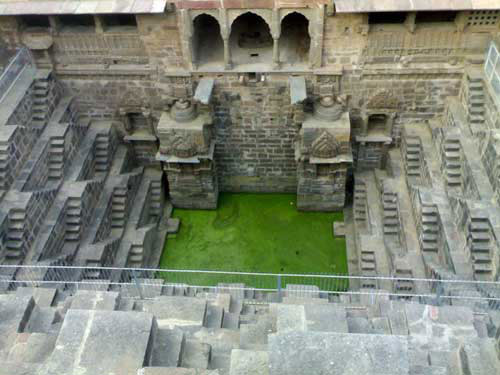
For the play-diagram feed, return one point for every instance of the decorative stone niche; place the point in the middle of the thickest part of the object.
(140, 133)
(187, 150)
(323, 154)
(378, 118)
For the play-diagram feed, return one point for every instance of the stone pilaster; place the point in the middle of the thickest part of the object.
(187, 150)
(323, 154)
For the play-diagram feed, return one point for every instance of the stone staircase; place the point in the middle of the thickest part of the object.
(479, 243)
(15, 234)
(475, 99)
(391, 214)
(119, 207)
(412, 155)
(73, 219)
(41, 92)
(368, 262)
(429, 235)
(452, 162)
(4, 165)
(360, 203)
(56, 158)
(156, 198)
(177, 335)
(103, 152)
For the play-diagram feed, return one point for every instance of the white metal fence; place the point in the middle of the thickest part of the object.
(22, 60)
(144, 283)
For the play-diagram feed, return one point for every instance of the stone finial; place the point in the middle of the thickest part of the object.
(329, 108)
(183, 110)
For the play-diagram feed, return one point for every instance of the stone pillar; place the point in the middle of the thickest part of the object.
(225, 32)
(227, 54)
(316, 34)
(99, 27)
(323, 154)
(276, 32)
(186, 26)
(187, 150)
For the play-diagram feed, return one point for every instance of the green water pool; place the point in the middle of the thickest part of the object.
(256, 233)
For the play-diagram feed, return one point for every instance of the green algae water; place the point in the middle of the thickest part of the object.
(256, 233)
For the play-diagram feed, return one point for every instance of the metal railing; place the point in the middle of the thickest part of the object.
(492, 69)
(21, 61)
(145, 283)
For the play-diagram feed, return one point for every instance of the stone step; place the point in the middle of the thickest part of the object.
(480, 247)
(479, 236)
(214, 316)
(254, 335)
(29, 348)
(367, 266)
(429, 247)
(481, 258)
(246, 362)
(168, 347)
(41, 319)
(482, 267)
(44, 297)
(479, 226)
(195, 354)
(231, 321)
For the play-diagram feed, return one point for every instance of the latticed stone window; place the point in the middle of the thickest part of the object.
(483, 18)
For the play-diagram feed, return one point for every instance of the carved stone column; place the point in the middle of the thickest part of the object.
(187, 150)
(276, 32)
(225, 32)
(276, 53)
(323, 153)
(227, 54)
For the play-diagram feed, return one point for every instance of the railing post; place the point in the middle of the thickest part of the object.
(439, 292)
(278, 287)
(137, 284)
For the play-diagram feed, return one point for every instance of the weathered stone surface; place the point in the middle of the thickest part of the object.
(179, 311)
(92, 300)
(249, 362)
(326, 318)
(335, 353)
(15, 312)
(87, 334)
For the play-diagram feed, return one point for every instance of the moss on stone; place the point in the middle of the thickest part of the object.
(256, 233)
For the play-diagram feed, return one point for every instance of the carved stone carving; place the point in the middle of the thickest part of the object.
(325, 146)
(383, 100)
(181, 145)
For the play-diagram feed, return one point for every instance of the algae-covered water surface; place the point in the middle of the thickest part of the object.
(256, 233)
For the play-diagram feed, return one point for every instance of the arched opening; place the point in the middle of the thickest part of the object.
(250, 40)
(377, 123)
(295, 40)
(208, 45)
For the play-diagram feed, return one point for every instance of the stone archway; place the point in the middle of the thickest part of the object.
(208, 46)
(250, 40)
(295, 41)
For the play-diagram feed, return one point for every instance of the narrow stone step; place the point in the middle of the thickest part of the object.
(195, 355)
(231, 321)
(168, 347)
(41, 319)
(214, 316)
